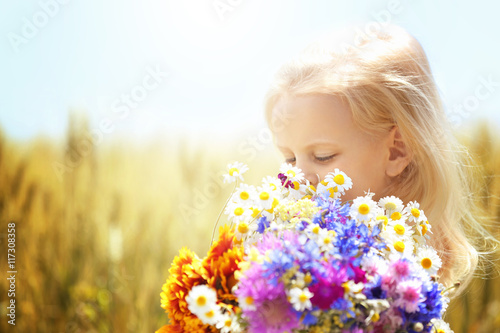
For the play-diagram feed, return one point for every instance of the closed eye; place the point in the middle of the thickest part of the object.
(290, 160)
(324, 158)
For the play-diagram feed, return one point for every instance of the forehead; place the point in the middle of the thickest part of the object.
(311, 117)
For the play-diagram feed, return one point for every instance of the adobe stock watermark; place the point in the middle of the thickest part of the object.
(381, 18)
(462, 110)
(223, 7)
(31, 26)
(247, 151)
(121, 109)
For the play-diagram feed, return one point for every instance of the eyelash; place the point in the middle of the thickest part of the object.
(321, 159)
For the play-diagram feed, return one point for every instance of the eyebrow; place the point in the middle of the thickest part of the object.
(315, 143)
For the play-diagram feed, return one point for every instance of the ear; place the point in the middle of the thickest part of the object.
(399, 154)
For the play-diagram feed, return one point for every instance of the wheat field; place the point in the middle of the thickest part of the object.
(97, 227)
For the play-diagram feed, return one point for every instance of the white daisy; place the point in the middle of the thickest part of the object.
(399, 229)
(325, 240)
(265, 197)
(423, 228)
(413, 212)
(300, 298)
(313, 230)
(363, 209)
(244, 195)
(201, 299)
(237, 212)
(228, 322)
(400, 247)
(390, 205)
(273, 182)
(340, 180)
(210, 316)
(235, 171)
(292, 173)
(428, 258)
(440, 326)
(245, 229)
(247, 303)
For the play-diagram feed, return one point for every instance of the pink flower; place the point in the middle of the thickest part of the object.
(409, 295)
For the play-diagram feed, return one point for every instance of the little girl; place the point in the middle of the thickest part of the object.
(373, 111)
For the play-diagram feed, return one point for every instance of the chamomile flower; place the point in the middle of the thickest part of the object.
(237, 211)
(244, 195)
(325, 240)
(313, 231)
(247, 303)
(292, 173)
(399, 246)
(413, 212)
(398, 229)
(440, 326)
(265, 197)
(244, 229)
(210, 316)
(201, 299)
(428, 258)
(390, 205)
(227, 323)
(364, 209)
(235, 171)
(339, 180)
(300, 298)
(272, 182)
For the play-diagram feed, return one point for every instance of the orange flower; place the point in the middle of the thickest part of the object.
(221, 263)
(185, 273)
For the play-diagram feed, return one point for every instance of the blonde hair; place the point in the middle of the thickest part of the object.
(386, 80)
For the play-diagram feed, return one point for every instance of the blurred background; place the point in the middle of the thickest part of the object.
(117, 119)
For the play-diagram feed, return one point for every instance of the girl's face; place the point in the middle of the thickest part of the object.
(316, 133)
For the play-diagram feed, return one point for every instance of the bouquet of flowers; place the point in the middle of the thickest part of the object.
(295, 258)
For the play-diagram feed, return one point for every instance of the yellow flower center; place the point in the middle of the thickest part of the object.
(399, 246)
(383, 218)
(275, 202)
(238, 211)
(415, 212)
(264, 196)
(324, 182)
(210, 314)
(296, 185)
(255, 212)
(364, 209)
(315, 229)
(244, 195)
(440, 331)
(249, 300)
(243, 228)
(228, 323)
(339, 179)
(426, 263)
(390, 206)
(424, 229)
(375, 317)
(399, 229)
(273, 186)
(233, 170)
(312, 188)
(395, 216)
(303, 298)
(308, 278)
(290, 173)
(327, 240)
(201, 300)
(345, 285)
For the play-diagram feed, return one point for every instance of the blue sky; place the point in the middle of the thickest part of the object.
(212, 67)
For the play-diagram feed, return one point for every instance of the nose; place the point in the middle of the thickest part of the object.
(309, 172)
